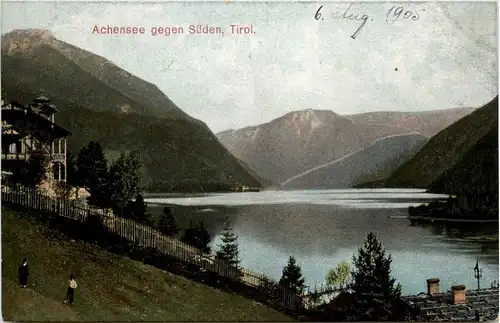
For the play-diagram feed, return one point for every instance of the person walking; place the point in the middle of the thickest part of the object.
(70, 294)
(23, 273)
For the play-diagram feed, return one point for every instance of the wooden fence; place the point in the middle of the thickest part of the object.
(143, 236)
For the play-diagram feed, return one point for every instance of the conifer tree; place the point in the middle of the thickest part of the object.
(189, 234)
(292, 276)
(167, 224)
(197, 236)
(92, 168)
(71, 170)
(138, 208)
(228, 250)
(203, 238)
(372, 271)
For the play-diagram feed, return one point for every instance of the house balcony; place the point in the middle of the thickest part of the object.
(22, 156)
(59, 158)
(13, 156)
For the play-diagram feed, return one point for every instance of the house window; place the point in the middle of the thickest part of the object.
(63, 146)
(63, 172)
(55, 170)
(12, 148)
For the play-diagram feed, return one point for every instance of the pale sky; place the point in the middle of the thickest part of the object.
(446, 58)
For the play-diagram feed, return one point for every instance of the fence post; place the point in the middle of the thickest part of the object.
(150, 236)
(21, 197)
(32, 198)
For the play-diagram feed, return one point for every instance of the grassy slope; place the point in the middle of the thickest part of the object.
(444, 150)
(111, 287)
(174, 149)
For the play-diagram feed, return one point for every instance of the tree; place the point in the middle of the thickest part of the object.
(197, 236)
(93, 173)
(340, 275)
(292, 277)
(372, 272)
(139, 208)
(36, 169)
(72, 177)
(31, 173)
(124, 180)
(62, 190)
(71, 170)
(189, 234)
(167, 223)
(228, 250)
(204, 238)
(270, 287)
(375, 297)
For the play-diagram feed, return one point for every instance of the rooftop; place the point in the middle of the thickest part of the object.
(440, 307)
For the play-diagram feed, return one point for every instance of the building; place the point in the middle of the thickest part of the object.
(31, 129)
(458, 304)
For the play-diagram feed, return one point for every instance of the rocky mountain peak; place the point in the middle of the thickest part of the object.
(24, 40)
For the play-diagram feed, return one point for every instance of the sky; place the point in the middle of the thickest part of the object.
(446, 58)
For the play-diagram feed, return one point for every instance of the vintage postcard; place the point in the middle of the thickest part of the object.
(249, 161)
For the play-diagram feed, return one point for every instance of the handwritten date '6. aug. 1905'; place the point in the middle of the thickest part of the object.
(394, 14)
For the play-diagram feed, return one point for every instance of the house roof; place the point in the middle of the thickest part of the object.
(441, 308)
(26, 121)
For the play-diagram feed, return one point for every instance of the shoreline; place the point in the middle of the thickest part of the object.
(433, 219)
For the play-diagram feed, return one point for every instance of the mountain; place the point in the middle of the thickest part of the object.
(376, 161)
(427, 123)
(303, 140)
(299, 141)
(445, 150)
(474, 179)
(98, 100)
(477, 168)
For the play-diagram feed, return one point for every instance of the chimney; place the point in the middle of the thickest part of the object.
(433, 286)
(458, 294)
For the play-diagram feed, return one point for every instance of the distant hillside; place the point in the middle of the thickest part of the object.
(474, 182)
(376, 161)
(445, 150)
(427, 123)
(477, 171)
(97, 100)
(263, 181)
(302, 140)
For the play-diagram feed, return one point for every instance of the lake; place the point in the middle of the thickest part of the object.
(320, 228)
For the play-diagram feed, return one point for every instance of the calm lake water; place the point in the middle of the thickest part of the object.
(320, 228)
